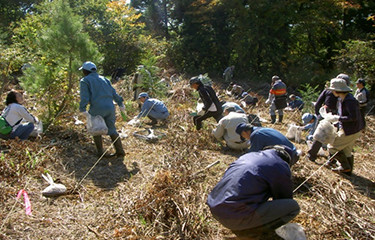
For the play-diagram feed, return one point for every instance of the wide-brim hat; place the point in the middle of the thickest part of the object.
(339, 85)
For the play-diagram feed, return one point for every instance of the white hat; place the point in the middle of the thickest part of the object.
(339, 85)
(88, 66)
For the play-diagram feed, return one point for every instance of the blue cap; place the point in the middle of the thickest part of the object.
(244, 94)
(306, 118)
(88, 66)
(242, 127)
(143, 94)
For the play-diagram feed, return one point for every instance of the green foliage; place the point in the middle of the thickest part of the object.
(309, 95)
(150, 80)
(60, 48)
(358, 59)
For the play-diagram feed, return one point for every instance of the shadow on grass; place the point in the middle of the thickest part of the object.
(79, 159)
(362, 185)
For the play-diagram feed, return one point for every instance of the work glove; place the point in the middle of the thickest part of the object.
(300, 128)
(268, 101)
(85, 114)
(332, 118)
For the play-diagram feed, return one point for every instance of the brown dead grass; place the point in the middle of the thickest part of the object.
(156, 193)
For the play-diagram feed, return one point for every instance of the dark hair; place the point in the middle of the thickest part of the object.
(11, 97)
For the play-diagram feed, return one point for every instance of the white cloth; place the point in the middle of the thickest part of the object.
(226, 129)
(14, 113)
(212, 108)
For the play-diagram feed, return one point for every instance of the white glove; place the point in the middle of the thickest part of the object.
(267, 101)
(122, 109)
(300, 128)
(333, 118)
(85, 113)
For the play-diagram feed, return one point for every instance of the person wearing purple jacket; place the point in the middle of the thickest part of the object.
(350, 123)
(255, 195)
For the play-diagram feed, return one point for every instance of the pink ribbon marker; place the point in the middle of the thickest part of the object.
(26, 199)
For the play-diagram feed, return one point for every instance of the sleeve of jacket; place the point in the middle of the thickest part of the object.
(117, 98)
(26, 115)
(319, 103)
(220, 130)
(146, 107)
(206, 99)
(85, 95)
(351, 107)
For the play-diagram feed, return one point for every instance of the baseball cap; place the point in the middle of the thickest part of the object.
(88, 66)
(143, 94)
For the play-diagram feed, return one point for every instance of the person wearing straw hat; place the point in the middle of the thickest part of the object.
(350, 124)
(152, 108)
(261, 137)
(362, 95)
(211, 104)
(277, 98)
(97, 91)
(255, 195)
(226, 129)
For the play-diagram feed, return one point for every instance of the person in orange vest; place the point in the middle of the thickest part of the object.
(277, 98)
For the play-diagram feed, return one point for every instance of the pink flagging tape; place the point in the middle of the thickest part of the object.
(26, 199)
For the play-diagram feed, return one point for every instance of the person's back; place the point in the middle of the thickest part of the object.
(262, 137)
(102, 92)
(241, 200)
(235, 105)
(226, 129)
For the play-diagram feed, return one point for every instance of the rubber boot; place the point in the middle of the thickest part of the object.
(99, 145)
(351, 163)
(345, 166)
(312, 154)
(118, 145)
(281, 118)
(273, 119)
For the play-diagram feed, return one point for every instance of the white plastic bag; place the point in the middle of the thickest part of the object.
(325, 132)
(294, 133)
(134, 122)
(291, 231)
(54, 189)
(96, 125)
(38, 129)
(199, 108)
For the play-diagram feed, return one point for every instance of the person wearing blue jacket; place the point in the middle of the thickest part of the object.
(255, 195)
(97, 91)
(261, 137)
(152, 108)
(310, 122)
(295, 102)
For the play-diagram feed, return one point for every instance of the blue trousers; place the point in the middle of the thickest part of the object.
(23, 131)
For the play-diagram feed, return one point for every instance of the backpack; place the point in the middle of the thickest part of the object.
(5, 128)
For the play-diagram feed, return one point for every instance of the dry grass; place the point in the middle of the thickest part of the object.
(155, 192)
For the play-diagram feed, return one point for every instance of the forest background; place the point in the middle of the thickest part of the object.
(302, 41)
(159, 190)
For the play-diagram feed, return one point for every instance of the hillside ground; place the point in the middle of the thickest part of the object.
(159, 190)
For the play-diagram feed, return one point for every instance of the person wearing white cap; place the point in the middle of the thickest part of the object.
(97, 91)
(226, 129)
(350, 124)
(152, 108)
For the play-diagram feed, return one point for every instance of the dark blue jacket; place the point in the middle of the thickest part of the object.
(261, 137)
(326, 97)
(350, 115)
(249, 181)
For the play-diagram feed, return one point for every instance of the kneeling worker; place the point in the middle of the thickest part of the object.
(226, 129)
(241, 199)
(261, 137)
(152, 108)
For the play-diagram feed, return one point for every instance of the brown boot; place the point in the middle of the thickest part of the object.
(118, 145)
